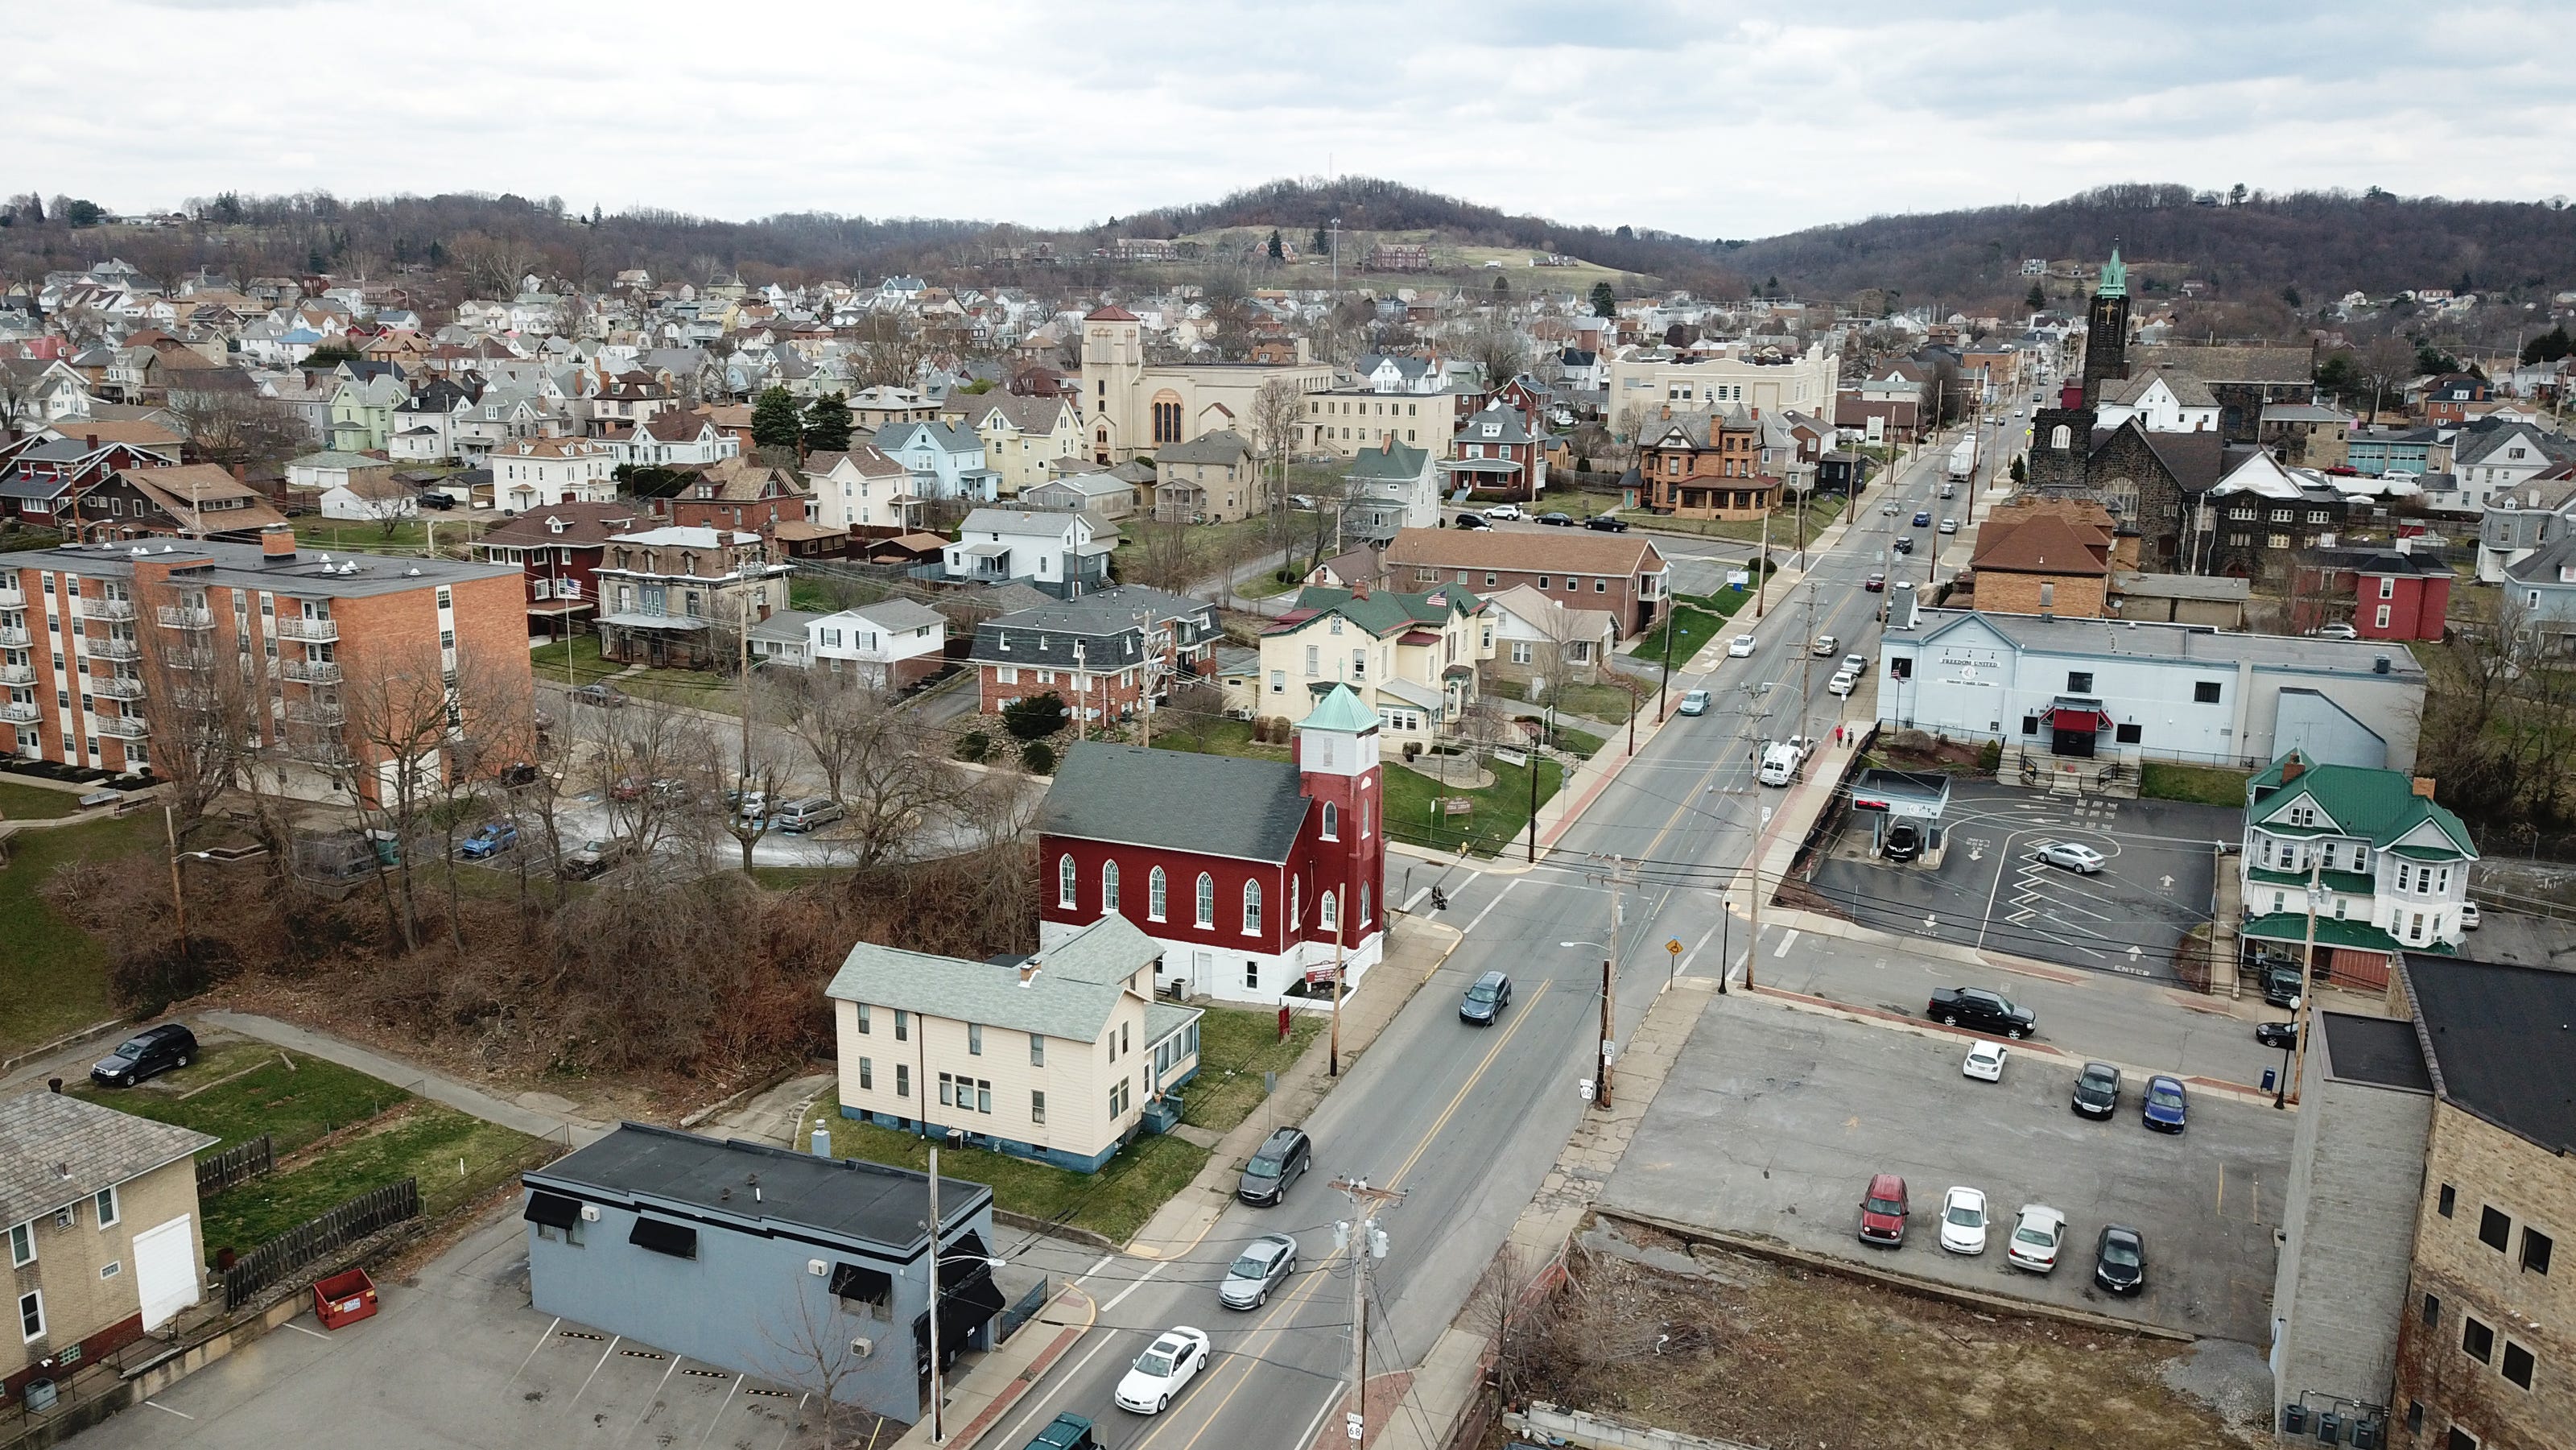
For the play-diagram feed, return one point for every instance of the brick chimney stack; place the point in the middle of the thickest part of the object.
(277, 544)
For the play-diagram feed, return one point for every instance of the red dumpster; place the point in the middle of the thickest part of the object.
(344, 1299)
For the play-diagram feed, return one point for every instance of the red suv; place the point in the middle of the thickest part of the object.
(1882, 1213)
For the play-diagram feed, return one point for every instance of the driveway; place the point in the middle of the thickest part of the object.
(1990, 892)
(1772, 1121)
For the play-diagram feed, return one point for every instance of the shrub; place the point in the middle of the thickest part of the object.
(1038, 758)
(974, 745)
(1990, 756)
(1036, 717)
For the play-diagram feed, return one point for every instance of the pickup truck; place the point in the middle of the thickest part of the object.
(1980, 1010)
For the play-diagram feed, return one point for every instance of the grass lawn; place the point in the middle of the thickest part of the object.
(1601, 702)
(1579, 503)
(241, 1090)
(34, 802)
(547, 661)
(1114, 1202)
(409, 536)
(697, 689)
(1574, 742)
(1216, 737)
(1236, 1046)
(53, 977)
(1691, 628)
(1822, 510)
(1209, 545)
(1265, 586)
(1501, 814)
(2208, 785)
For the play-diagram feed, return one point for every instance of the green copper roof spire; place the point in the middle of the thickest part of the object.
(2115, 277)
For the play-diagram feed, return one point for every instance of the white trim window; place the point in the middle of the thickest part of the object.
(22, 1244)
(1067, 886)
(31, 1315)
(1155, 894)
(105, 1202)
(1252, 908)
(1207, 900)
(1108, 886)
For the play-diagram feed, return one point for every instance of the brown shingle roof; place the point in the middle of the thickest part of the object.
(2042, 544)
(1554, 550)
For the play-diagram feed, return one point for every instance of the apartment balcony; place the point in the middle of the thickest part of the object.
(112, 648)
(116, 687)
(312, 631)
(14, 636)
(177, 617)
(123, 727)
(12, 597)
(320, 750)
(317, 712)
(17, 674)
(117, 609)
(311, 672)
(21, 712)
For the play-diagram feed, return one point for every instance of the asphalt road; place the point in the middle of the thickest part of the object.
(1469, 1121)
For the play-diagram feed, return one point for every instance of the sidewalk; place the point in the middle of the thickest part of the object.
(977, 1402)
(534, 1114)
(1415, 949)
(1445, 1385)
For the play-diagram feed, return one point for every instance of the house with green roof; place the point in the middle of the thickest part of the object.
(2383, 866)
(1410, 658)
(1052, 1057)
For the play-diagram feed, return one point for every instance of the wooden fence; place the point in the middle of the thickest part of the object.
(280, 1257)
(236, 1164)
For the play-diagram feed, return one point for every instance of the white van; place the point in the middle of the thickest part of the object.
(1780, 764)
(800, 816)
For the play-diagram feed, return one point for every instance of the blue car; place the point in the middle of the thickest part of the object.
(488, 841)
(2165, 1107)
(1923, 518)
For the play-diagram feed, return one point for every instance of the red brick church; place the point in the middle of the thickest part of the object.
(1252, 875)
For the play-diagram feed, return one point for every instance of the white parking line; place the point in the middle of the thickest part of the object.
(542, 1341)
(720, 1411)
(165, 1409)
(1490, 905)
(674, 1368)
(1132, 1288)
(594, 1371)
(1104, 1261)
(1786, 942)
(316, 1333)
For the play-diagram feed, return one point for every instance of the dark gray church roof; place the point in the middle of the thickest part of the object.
(1214, 805)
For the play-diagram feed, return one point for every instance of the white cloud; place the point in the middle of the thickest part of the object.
(1718, 119)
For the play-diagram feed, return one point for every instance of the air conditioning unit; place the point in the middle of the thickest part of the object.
(863, 1347)
(817, 1267)
(590, 1213)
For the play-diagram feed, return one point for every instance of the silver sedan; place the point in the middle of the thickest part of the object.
(1264, 1265)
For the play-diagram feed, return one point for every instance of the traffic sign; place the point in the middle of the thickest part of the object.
(1674, 946)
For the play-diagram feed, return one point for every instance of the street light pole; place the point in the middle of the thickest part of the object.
(178, 897)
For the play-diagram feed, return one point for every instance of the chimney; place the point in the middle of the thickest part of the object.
(1029, 971)
(2424, 786)
(277, 544)
(241, 473)
(2293, 768)
(93, 442)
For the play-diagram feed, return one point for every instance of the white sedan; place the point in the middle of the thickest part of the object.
(1963, 1221)
(1166, 1366)
(1739, 647)
(2082, 860)
(2036, 1235)
(1985, 1062)
(1842, 684)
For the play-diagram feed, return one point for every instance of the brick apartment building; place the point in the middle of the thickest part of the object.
(104, 648)
(557, 551)
(1104, 654)
(1575, 569)
(1706, 465)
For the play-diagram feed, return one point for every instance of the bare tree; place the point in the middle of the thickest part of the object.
(237, 429)
(760, 780)
(814, 1348)
(655, 763)
(1515, 1307)
(886, 351)
(1167, 554)
(2388, 361)
(1278, 409)
(196, 698)
(494, 265)
(1498, 348)
(398, 719)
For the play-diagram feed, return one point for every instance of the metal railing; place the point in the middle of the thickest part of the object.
(13, 636)
(318, 631)
(124, 727)
(110, 648)
(122, 609)
(311, 672)
(116, 687)
(23, 712)
(12, 597)
(17, 674)
(174, 616)
(317, 712)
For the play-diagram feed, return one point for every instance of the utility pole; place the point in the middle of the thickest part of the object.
(1365, 1240)
(2307, 974)
(938, 1432)
(1663, 686)
(1761, 566)
(1608, 1051)
(178, 898)
(1333, 1062)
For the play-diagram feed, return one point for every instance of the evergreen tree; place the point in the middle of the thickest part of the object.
(1605, 303)
(1278, 251)
(827, 424)
(775, 422)
(2038, 298)
(2550, 346)
(1323, 243)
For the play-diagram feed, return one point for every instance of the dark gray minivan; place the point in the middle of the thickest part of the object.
(1282, 1159)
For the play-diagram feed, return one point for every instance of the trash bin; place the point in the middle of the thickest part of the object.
(2270, 1076)
(344, 1299)
(40, 1396)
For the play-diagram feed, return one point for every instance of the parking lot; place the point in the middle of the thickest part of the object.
(460, 1359)
(1990, 891)
(1772, 1121)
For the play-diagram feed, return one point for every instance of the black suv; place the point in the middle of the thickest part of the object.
(1904, 841)
(1486, 999)
(148, 1053)
(2097, 1090)
(1282, 1159)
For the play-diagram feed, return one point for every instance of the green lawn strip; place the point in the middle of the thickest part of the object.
(1114, 1202)
(1265, 586)
(1691, 629)
(1216, 737)
(1784, 528)
(2207, 785)
(294, 1104)
(1236, 1047)
(1601, 702)
(789, 878)
(1574, 742)
(696, 689)
(425, 1141)
(34, 802)
(53, 977)
(548, 661)
(1501, 811)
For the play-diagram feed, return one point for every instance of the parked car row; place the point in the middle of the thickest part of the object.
(2038, 1233)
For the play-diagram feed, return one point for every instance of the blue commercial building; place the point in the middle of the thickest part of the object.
(771, 1263)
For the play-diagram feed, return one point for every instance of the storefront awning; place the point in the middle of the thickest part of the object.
(676, 1239)
(2071, 713)
(554, 1210)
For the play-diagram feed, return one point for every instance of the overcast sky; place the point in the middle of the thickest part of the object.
(1713, 119)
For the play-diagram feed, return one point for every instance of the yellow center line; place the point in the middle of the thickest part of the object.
(1244, 1359)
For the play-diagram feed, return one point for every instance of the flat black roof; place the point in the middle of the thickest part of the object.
(2381, 1051)
(2503, 1042)
(872, 1204)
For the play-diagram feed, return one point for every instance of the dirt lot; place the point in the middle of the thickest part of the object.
(1782, 1356)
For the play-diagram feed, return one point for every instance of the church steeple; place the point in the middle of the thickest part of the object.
(2106, 329)
(2115, 276)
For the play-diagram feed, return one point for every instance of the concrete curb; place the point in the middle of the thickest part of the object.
(1818, 924)
(1904, 1283)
